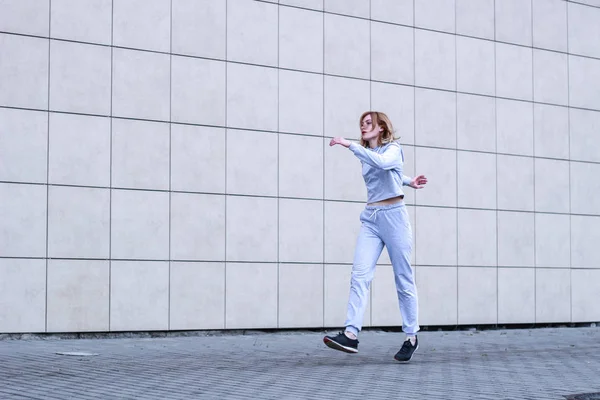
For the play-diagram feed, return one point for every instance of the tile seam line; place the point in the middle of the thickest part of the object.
(330, 200)
(329, 75)
(49, 76)
(330, 13)
(110, 190)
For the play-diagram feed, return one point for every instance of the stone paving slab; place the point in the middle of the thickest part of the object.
(497, 364)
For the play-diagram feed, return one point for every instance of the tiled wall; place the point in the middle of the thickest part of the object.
(164, 164)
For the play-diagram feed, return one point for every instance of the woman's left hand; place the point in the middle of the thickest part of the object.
(418, 182)
(340, 140)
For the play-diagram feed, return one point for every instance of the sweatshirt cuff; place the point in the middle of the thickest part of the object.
(406, 180)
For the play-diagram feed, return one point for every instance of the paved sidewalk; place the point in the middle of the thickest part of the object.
(512, 364)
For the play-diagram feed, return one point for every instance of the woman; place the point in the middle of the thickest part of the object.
(384, 222)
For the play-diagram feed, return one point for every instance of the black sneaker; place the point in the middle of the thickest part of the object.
(407, 350)
(342, 342)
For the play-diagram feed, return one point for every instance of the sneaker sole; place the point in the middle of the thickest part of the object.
(411, 356)
(336, 346)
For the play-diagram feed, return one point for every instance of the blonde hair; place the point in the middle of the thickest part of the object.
(379, 118)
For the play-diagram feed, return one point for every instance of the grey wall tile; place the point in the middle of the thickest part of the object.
(343, 174)
(585, 234)
(24, 72)
(342, 226)
(551, 131)
(477, 237)
(398, 103)
(550, 77)
(80, 78)
(513, 21)
(396, 11)
(476, 123)
(79, 150)
(515, 190)
(435, 60)
(252, 32)
(251, 97)
(476, 180)
(300, 102)
(584, 289)
(197, 227)
(198, 91)
(23, 285)
(435, 14)
(196, 296)
(392, 53)
(438, 290)
(78, 222)
(550, 24)
(356, 8)
(252, 163)
(346, 46)
(514, 71)
(140, 154)
(439, 166)
(516, 239)
(301, 39)
(85, 21)
(514, 127)
(475, 18)
(301, 166)
(584, 134)
(27, 17)
(435, 118)
(23, 220)
(140, 84)
(436, 236)
(301, 230)
(516, 295)
(552, 240)
(552, 295)
(251, 229)
(585, 188)
(139, 296)
(477, 304)
(139, 225)
(300, 295)
(475, 66)
(197, 158)
(552, 185)
(142, 24)
(312, 4)
(345, 101)
(584, 30)
(23, 145)
(78, 295)
(584, 82)
(251, 297)
(595, 3)
(199, 28)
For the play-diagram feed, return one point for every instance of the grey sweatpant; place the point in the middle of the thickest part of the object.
(387, 225)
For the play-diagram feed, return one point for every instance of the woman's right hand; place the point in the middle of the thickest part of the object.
(340, 140)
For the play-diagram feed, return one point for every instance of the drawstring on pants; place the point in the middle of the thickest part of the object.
(375, 213)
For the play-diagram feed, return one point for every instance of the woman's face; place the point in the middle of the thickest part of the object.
(368, 130)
